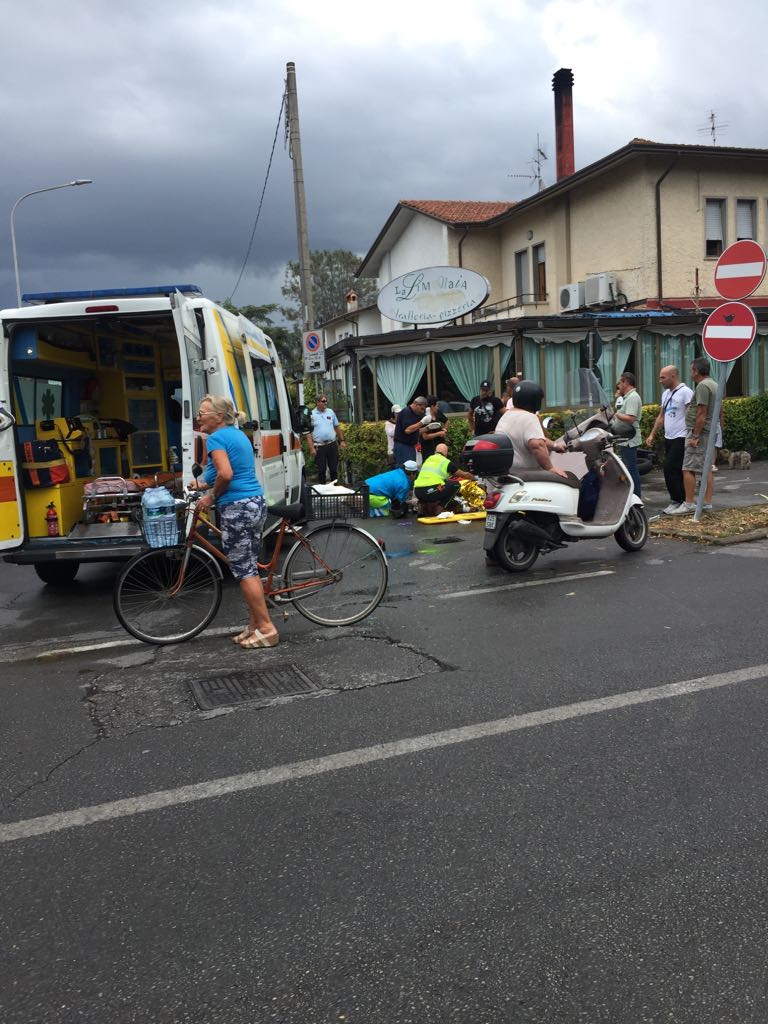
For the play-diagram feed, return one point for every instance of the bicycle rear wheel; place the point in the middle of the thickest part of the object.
(146, 605)
(340, 579)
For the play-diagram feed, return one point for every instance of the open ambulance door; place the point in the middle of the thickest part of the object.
(11, 505)
(267, 440)
(194, 383)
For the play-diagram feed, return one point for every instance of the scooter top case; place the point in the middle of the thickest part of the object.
(488, 454)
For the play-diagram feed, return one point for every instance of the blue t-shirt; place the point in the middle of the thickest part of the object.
(244, 483)
(394, 485)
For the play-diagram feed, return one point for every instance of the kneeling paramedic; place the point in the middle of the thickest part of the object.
(432, 486)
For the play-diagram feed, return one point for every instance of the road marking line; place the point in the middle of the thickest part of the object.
(26, 654)
(366, 755)
(528, 583)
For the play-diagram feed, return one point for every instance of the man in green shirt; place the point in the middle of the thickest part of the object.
(698, 423)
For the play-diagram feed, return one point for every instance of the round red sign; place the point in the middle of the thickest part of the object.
(740, 270)
(729, 331)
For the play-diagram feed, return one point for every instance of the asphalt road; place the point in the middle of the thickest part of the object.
(534, 798)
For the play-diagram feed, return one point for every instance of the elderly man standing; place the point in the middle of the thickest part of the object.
(325, 440)
(409, 422)
(675, 399)
(698, 422)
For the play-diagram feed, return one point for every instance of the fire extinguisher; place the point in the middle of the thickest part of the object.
(52, 520)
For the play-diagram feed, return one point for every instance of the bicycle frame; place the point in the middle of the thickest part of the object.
(284, 593)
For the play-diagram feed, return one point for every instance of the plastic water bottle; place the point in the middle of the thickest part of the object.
(161, 527)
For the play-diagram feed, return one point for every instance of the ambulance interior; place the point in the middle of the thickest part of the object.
(94, 398)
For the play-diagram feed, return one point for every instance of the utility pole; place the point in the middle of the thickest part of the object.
(305, 266)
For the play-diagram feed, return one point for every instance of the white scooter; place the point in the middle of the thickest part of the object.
(531, 512)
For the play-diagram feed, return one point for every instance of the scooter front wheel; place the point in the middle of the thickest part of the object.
(633, 533)
(514, 553)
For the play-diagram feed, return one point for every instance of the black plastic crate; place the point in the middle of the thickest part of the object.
(338, 506)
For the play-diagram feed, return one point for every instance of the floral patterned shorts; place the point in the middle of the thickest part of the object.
(242, 523)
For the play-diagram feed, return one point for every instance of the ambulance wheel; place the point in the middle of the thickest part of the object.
(633, 533)
(57, 574)
(513, 553)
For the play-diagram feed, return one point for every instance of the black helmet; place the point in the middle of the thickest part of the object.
(528, 395)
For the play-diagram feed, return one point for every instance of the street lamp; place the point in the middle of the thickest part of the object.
(50, 188)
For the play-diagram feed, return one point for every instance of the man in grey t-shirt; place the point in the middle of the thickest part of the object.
(631, 411)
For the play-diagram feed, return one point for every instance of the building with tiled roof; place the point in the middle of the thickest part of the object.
(630, 240)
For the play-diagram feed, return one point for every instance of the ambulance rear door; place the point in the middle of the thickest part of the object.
(194, 382)
(268, 431)
(11, 505)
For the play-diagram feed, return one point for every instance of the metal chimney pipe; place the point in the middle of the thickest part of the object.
(562, 86)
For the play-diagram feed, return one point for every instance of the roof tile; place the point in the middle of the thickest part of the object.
(458, 211)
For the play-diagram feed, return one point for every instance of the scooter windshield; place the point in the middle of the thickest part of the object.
(584, 394)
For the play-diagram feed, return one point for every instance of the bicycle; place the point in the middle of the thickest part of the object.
(335, 575)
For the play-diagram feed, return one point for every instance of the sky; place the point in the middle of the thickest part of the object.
(172, 108)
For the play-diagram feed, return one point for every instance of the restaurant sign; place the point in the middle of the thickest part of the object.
(433, 295)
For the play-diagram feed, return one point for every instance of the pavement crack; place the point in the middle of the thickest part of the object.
(50, 773)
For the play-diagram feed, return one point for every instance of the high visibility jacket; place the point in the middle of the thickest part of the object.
(434, 471)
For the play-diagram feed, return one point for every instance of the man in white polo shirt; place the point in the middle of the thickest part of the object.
(675, 399)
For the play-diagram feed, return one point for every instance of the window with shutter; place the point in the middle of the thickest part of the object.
(745, 218)
(714, 226)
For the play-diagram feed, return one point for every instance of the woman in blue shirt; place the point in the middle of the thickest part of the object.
(230, 479)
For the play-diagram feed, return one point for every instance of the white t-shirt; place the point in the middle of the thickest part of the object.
(389, 430)
(674, 402)
(521, 426)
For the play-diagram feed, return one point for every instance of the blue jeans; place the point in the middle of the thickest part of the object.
(404, 452)
(629, 457)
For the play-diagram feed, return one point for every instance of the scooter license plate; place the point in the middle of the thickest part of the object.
(490, 521)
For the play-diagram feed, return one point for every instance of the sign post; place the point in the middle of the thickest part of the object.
(730, 329)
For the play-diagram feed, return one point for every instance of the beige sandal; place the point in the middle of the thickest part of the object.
(241, 636)
(257, 639)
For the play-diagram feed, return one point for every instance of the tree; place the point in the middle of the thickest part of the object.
(332, 277)
(287, 340)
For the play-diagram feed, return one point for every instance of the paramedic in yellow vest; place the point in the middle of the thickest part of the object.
(432, 486)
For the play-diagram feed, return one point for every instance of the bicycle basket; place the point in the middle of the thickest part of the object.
(167, 530)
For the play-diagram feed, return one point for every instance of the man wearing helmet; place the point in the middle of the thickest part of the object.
(523, 428)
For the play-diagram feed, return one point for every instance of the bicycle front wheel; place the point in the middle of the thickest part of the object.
(338, 577)
(152, 606)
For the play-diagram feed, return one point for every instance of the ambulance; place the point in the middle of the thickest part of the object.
(99, 392)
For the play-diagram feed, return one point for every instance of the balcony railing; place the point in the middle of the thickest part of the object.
(507, 307)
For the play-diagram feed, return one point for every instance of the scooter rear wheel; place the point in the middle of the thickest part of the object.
(513, 553)
(633, 533)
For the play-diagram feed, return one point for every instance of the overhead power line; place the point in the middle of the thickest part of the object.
(261, 200)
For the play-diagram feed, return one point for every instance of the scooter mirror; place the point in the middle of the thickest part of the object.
(197, 470)
(548, 422)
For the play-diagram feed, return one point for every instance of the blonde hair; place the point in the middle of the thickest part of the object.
(225, 407)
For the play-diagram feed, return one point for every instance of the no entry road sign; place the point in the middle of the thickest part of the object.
(729, 331)
(740, 270)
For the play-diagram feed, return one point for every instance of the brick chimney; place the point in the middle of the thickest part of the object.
(562, 86)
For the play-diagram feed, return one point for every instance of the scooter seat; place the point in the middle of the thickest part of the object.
(544, 476)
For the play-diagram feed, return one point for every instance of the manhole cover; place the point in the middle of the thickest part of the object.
(446, 540)
(244, 687)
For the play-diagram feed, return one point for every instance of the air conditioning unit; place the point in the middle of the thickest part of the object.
(571, 296)
(600, 289)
